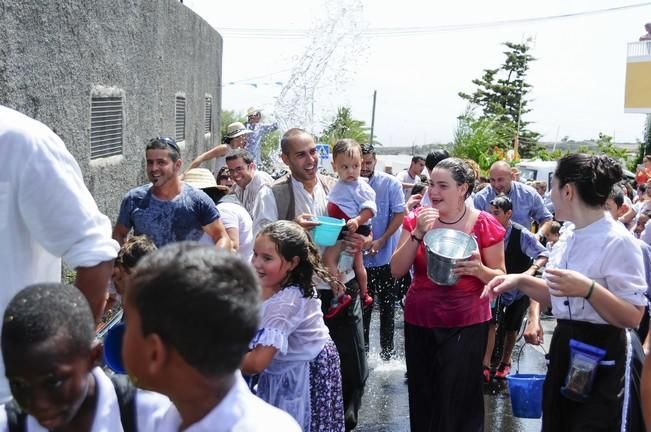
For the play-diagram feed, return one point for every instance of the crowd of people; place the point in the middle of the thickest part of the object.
(235, 319)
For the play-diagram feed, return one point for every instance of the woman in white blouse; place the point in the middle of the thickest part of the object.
(595, 284)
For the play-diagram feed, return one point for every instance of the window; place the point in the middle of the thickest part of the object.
(207, 125)
(180, 118)
(106, 126)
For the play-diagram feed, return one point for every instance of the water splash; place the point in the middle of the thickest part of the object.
(326, 66)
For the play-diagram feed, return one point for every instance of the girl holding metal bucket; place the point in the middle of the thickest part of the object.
(446, 326)
(595, 284)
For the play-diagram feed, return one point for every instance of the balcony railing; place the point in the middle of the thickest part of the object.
(639, 49)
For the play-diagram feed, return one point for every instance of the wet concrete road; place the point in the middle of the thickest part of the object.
(385, 407)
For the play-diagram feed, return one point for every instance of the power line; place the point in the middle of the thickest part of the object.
(278, 33)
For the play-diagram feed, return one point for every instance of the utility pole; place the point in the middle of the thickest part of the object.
(373, 118)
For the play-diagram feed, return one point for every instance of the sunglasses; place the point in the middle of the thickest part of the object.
(168, 141)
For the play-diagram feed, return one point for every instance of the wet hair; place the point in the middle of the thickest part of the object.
(593, 176)
(246, 156)
(44, 311)
(348, 147)
(418, 188)
(435, 157)
(368, 149)
(417, 159)
(460, 171)
(292, 241)
(502, 202)
(201, 302)
(554, 228)
(133, 249)
(165, 143)
(287, 138)
(617, 195)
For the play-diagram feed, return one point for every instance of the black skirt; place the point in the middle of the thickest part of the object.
(613, 404)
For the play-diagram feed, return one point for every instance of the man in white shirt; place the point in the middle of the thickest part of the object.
(248, 180)
(411, 176)
(47, 213)
(300, 196)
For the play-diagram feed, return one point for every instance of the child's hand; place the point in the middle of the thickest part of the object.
(352, 225)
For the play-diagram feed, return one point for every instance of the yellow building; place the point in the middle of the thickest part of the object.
(637, 98)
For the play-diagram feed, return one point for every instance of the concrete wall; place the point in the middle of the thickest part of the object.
(55, 55)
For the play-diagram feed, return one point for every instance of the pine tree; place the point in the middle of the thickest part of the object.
(501, 94)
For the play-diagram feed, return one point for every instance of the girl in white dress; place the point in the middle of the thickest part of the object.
(297, 361)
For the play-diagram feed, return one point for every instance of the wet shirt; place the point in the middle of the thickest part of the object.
(435, 306)
(390, 200)
(528, 205)
(167, 221)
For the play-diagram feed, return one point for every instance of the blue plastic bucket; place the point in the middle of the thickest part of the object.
(113, 348)
(326, 233)
(526, 394)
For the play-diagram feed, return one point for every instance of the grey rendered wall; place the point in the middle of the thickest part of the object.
(55, 54)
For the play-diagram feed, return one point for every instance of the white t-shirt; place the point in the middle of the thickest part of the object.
(605, 252)
(239, 411)
(234, 215)
(46, 212)
(150, 408)
(405, 177)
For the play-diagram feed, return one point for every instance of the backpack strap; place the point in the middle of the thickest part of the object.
(16, 417)
(126, 393)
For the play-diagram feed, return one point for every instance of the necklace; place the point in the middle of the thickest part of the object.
(452, 223)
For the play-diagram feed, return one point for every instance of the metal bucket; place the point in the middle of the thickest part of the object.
(444, 248)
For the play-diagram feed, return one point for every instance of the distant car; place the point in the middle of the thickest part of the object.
(539, 170)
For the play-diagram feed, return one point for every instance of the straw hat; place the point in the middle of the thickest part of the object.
(253, 111)
(236, 129)
(201, 178)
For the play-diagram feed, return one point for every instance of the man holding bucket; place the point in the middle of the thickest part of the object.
(301, 196)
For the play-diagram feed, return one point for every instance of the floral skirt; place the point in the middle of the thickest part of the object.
(327, 404)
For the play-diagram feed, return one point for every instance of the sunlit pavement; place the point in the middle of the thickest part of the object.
(385, 406)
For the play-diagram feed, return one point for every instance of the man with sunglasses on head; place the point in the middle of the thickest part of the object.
(168, 210)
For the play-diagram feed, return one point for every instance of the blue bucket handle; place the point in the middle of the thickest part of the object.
(544, 352)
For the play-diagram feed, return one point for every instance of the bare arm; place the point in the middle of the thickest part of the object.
(394, 224)
(234, 235)
(258, 359)
(93, 283)
(215, 152)
(534, 333)
(614, 310)
(120, 233)
(535, 288)
(405, 253)
(218, 233)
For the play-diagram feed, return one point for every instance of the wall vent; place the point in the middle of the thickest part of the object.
(106, 127)
(180, 119)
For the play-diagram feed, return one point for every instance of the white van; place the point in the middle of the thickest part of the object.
(537, 170)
